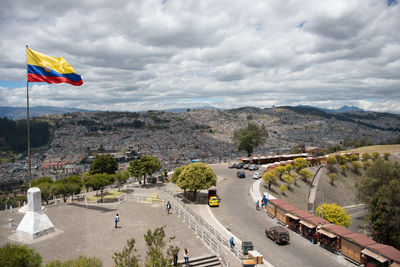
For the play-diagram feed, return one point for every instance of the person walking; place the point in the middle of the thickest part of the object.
(231, 243)
(176, 257)
(186, 257)
(258, 205)
(168, 207)
(116, 220)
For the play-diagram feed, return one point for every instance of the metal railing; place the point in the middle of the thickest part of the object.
(216, 243)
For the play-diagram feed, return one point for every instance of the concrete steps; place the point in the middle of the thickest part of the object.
(202, 261)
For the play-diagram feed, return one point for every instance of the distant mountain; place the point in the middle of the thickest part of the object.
(17, 113)
(181, 110)
(339, 110)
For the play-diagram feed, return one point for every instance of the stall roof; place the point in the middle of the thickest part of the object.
(292, 216)
(277, 201)
(316, 220)
(385, 250)
(337, 229)
(309, 225)
(360, 239)
(374, 255)
(326, 233)
(301, 213)
(287, 207)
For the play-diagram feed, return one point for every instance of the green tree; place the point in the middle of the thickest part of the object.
(127, 257)
(197, 176)
(300, 163)
(367, 164)
(144, 166)
(379, 188)
(343, 168)
(356, 166)
(15, 255)
(280, 170)
(283, 189)
(305, 174)
(67, 186)
(332, 160)
(269, 177)
(332, 178)
(386, 155)
(103, 164)
(288, 179)
(296, 177)
(156, 256)
(81, 261)
(288, 168)
(335, 214)
(176, 173)
(375, 155)
(366, 156)
(250, 137)
(46, 186)
(354, 157)
(121, 177)
(99, 181)
(343, 159)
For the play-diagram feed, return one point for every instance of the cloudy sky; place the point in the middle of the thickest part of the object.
(160, 54)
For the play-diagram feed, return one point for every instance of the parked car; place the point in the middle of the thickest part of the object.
(253, 167)
(240, 166)
(241, 174)
(213, 202)
(256, 175)
(279, 234)
(232, 165)
(246, 166)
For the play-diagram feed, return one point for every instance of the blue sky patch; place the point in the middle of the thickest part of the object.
(391, 2)
(301, 24)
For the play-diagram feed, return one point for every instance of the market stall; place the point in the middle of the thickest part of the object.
(330, 236)
(308, 227)
(353, 244)
(272, 204)
(380, 255)
(283, 210)
(294, 217)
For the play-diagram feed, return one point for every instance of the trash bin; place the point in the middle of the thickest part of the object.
(154, 180)
(247, 246)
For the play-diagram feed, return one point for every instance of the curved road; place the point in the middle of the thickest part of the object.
(237, 213)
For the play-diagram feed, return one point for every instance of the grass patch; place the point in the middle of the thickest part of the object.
(108, 195)
(369, 149)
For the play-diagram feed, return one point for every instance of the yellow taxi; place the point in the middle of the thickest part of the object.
(213, 202)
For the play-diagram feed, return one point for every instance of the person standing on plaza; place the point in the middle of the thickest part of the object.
(116, 220)
(186, 256)
(176, 257)
(168, 207)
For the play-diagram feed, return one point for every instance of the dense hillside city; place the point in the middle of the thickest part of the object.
(178, 138)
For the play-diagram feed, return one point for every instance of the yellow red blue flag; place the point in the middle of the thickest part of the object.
(43, 68)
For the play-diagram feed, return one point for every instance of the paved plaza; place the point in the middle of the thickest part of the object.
(90, 230)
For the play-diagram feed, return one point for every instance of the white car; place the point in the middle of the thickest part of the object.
(256, 175)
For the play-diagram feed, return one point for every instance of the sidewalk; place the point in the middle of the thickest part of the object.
(205, 212)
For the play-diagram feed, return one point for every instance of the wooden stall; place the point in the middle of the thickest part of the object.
(271, 205)
(282, 212)
(353, 244)
(380, 255)
(295, 216)
(330, 236)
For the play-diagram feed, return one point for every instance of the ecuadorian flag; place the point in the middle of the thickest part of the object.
(43, 68)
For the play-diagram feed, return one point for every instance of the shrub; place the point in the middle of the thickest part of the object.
(335, 214)
(19, 255)
(366, 156)
(343, 168)
(386, 155)
(332, 178)
(343, 159)
(296, 177)
(300, 163)
(356, 166)
(288, 179)
(375, 155)
(367, 164)
(305, 174)
(82, 261)
(283, 189)
(354, 157)
(331, 160)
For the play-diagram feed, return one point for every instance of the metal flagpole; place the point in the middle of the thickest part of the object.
(29, 137)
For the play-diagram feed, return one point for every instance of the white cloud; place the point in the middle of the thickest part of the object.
(161, 54)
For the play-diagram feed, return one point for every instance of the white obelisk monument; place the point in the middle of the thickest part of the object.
(35, 222)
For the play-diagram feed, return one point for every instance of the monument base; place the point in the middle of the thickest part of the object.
(34, 224)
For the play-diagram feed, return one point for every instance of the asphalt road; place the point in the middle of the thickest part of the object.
(237, 213)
